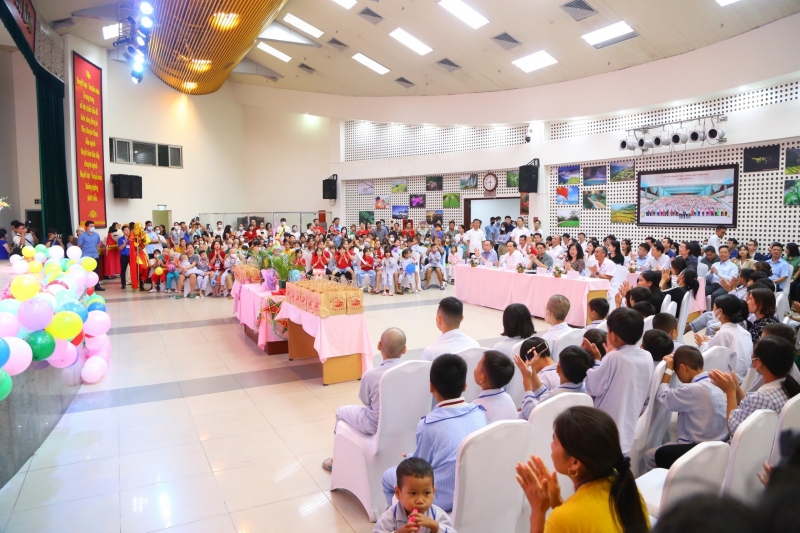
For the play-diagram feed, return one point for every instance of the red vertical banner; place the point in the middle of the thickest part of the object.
(88, 93)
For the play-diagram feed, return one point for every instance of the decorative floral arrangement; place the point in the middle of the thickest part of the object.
(557, 271)
(474, 261)
(521, 268)
(632, 267)
(3, 203)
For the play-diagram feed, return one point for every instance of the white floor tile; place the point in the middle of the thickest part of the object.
(149, 413)
(169, 504)
(163, 464)
(218, 402)
(159, 435)
(308, 437)
(218, 524)
(264, 483)
(49, 486)
(216, 425)
(99, 514)
(75, 423)
(9, 493)
(312, 462)
(352, 510)
(236, 451)
(296, 412)
(306, 514)
(75, 448)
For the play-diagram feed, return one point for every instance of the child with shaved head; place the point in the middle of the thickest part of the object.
(364, 418)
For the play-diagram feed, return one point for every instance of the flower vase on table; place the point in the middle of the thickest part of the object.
(557, 271)
(474, 262)
(521, 268)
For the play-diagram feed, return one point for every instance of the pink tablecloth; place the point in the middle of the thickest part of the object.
(497, 289)
(248, 302)
(334, 336)
(698, 303)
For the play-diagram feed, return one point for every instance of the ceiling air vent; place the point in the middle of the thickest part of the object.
(63, 23)
(448, 65)
(579, 10)
(506, 41)
(404, 82)
(306, 68)
(339, 45)
(370, 16)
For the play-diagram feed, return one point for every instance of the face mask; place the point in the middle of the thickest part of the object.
(241, 227)
(717, 313)
(158, 230)
(90, 229)
(148, 228)
(219, 226)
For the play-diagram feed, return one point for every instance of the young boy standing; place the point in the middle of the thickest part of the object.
(493, 373)
(441, 431)
(414, 510)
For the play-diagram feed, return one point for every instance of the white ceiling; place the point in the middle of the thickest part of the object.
(666, 28)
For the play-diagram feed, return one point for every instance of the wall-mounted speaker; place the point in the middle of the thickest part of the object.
(329, 188)
(529, 178)
(126, 186)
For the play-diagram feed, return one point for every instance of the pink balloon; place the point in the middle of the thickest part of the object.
(97, 342)
(65, 358)
(9, 325)
(20, 358)
(35, 314)
(94, 370)
(91, 279)
(98, 323)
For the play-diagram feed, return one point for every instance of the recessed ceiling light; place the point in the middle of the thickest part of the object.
(458, 8)
(608, 33)
(200, 65)
(302, 25)
(190, 85)
(726, 2)
(272, 51)
(111, 32)
(347, 4)
(535, 61)
(367, 62)
(224, 21)
(411, 41)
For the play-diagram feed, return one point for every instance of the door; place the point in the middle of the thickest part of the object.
(162, 217)
(33, 220)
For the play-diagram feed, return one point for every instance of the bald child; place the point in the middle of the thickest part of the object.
(364, 418)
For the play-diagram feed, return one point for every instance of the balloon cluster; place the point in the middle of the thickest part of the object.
(49, 312)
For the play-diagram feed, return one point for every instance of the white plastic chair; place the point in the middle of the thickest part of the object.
(788, 281)
(472, 356)
(672, 309)
(515, 389)
(750, 447)
(626, 261)
(699, 471)
(782, 305)
(360, 460)
(485, 498)
(307, 257)
(789, 418)
(684, 313)
(573, 337)
(702, 270)
(652, 425)
(717, 358)
(665, 304)
(648, 325)
(603, 325)
(620, 275)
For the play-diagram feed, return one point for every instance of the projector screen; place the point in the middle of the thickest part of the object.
(701, 196)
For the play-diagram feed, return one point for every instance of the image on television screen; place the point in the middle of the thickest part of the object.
(703, 196)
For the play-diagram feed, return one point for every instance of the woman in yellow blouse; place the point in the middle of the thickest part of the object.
(585, 448)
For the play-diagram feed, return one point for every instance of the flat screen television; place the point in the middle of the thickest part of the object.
(691, 197)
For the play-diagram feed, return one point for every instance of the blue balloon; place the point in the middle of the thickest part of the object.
(5, 352)
(411, 268)
(76, 307)
(96, 306)
(10, 306)
(23, 332)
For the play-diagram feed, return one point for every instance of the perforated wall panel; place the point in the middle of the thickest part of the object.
(761, 213)
(371, 140)
(737, 102)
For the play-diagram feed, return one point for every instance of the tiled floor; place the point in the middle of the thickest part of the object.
(195, 430)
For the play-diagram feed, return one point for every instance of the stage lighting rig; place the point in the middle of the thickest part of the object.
(701, 130)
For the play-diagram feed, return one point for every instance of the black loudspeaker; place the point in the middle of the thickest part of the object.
(126, 186)
(136, 186)
(529, 178)
(329, 189)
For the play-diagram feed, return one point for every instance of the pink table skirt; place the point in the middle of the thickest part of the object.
(334, 336)
(251, 302)
(698, 303)
(497, 289)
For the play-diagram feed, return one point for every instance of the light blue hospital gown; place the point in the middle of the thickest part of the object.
(439, 434)
(364, 418)
(534, 398)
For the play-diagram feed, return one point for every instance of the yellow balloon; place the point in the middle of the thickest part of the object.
(35, 266)
(52, 267)
(89, 263)
(25, 287)
(28, 251)
(65, 325)
(159, 271)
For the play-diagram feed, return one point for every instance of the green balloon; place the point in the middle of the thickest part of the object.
(42, 345)
(5, 385)
(41, 248)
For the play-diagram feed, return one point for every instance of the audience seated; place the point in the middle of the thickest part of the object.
(658, 344)
(597, 310)
(778, 330)
(598, 337)
(544, 366)
(440, 432)
(555, 314)
(668, 324)
(645, 309)
(700, 406)
(730, 311)
(493, 373)
(517, 326)
(761, 305)
(448, 319)
(620, 382)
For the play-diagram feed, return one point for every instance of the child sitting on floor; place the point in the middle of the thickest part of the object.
(364, 418)
(573, 363)
(493, 373)
(441, 431)
(414, 510)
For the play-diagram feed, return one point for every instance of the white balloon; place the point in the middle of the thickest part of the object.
(74, 252)
(20, 267)
(56, 252)
(14, 258)
(39, 256)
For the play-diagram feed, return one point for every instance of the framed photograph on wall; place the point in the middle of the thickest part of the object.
(512, 178)
(762, 158)
(622, 171)
(524, 203)
(568, 218)
(433, 183)
(382, 202)
(623, 213)
(416, 200)
(400, 212)
(366, 217)
(366, 187)
(791, 192)
(399, 186)
(434, 216)
(451, 200)
(594, 199)
(792, 161)
(469, 182)
(569, 175)
(567, 195)
(594, 176)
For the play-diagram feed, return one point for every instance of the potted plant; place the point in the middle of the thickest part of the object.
(557, 271)
(521, 268)
(282, 264)
(632, 267)
(474, 261)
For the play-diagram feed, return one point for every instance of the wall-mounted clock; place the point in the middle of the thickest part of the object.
(490, 182)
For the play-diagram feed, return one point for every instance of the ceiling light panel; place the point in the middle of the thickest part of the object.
(111, 32)
(369, 63)
(535, 61)
(724, 3)
(468, 15)
(411, 41)
(347, 4)
(274, 52)
(605, 36)
(302, 25)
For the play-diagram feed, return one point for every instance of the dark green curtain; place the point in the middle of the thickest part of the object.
(52, 146)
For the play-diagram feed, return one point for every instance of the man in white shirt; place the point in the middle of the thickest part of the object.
(604, 269)
(537, 227)
(512, 258)
(520, 230)
(524, 247)
(582, 241)
(658, 259)
(717, 239)
(448, 319)
(474, 238)
(556, 250)
(724, 270)
(219, 231)
(555, 314)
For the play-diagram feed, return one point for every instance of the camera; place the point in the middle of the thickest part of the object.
(528, 134)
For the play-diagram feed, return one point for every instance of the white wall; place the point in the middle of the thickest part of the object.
(486, 209)
(9, 186)
(27, 133)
